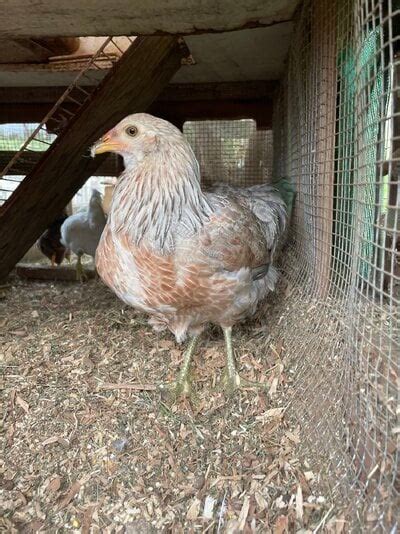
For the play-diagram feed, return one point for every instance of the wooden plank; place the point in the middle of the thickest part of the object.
(324, 54)
(175, 111)
(23, 51)
(64, 64)
(131, 86)
(65, 273)
(182, 92)
(35, 50)
(111, 166)
(30, 18)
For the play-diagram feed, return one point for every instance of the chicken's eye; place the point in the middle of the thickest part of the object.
(131, 131)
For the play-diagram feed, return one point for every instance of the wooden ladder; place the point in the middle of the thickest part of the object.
(133, 83)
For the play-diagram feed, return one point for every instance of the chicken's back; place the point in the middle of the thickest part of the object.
(266, 203)
(79, 236)
(81, 232)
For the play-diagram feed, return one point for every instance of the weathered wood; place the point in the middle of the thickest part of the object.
(23, 51)
(175, 111)
(111, 166)
(182, 92)
(35, 50)
(131, 86)
(59, 46)
(323, 41)
(30, 18)
(46, 272)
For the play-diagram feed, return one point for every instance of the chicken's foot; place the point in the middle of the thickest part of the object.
(182, 386)
(80, 273)
(232, 379)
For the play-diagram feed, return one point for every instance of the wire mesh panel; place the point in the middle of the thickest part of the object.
(233, 151)
(12, 138)
(337, 137)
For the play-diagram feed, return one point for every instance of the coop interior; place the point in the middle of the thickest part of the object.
(305, 92)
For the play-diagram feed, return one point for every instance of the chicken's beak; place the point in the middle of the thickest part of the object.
(105, 144)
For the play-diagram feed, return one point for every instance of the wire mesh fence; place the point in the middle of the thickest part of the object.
(335, 127)
(337, 138)
(233, 151)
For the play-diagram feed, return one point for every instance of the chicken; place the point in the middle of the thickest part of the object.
(50, 244)
(81, 232)
(186, 257)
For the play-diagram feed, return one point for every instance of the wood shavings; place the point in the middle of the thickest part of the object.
(194, 510)
(98, 449)
(67, 498)
(23, 404)
(208, 510)
(299, 504)
(244, 513)
(54, 485)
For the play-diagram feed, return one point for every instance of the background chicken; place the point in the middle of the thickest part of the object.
(50, 244)
(81, 232)
(185, 256)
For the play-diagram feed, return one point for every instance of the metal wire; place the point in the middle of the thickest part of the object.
(231, 151)
(336, 135)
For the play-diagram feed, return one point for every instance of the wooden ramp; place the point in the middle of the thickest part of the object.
(131, 86)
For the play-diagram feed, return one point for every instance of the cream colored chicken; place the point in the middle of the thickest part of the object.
(184, 256)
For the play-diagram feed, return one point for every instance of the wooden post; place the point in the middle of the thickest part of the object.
(324, 63)
(131, 86)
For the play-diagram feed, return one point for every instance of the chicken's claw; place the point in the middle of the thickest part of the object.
(182, 387)
(233, 382)
(177, 389)
(80, 273)
(232, 379)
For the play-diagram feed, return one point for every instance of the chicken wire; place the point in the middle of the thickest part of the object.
(233, 151)
(337, 138)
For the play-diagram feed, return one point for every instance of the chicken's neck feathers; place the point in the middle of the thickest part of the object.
(158, 195)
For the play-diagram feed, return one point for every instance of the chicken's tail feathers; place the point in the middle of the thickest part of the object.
(287, 192)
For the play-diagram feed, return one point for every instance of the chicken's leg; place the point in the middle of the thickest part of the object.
(232, 379)
(80, 273)
(182, 384)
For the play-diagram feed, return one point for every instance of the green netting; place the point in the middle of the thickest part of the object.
(355, 72)
(369, 67)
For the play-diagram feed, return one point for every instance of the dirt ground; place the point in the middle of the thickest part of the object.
(89, 444)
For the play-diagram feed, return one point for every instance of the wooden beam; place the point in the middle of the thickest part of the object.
(35, 50)
(30, 18)
(23, 51)
(181, 92)
(323, 44)
(62, 273)
(131, 86)
(235, 100)
(61, 64)
(111, 166)
(23, 113)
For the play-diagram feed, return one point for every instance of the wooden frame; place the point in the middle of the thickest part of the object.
(131, 86)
